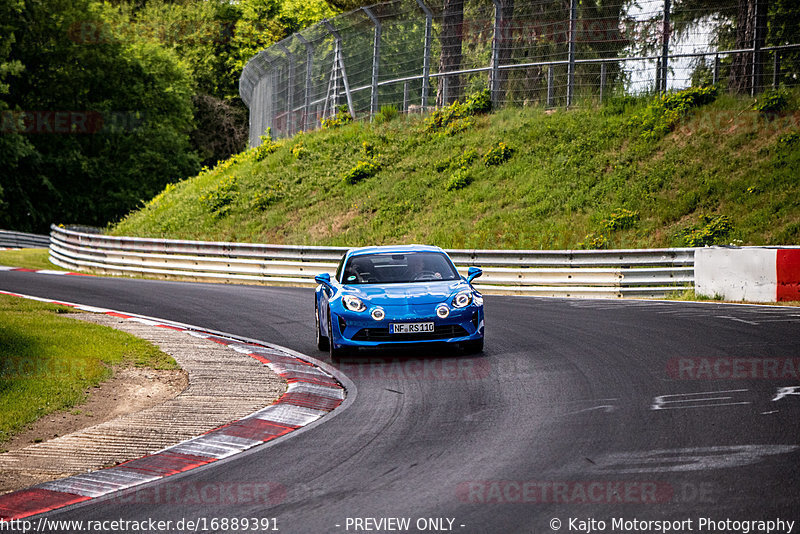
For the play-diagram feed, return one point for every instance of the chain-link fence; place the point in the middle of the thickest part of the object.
(419, 54)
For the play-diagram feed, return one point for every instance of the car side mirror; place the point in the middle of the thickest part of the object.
(324, 279)
(473, 273)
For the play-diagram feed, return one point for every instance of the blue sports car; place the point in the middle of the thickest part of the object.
(397, 296)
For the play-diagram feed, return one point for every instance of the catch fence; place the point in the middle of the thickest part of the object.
(420, 54)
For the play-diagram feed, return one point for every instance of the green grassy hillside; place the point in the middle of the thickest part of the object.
(690, 169)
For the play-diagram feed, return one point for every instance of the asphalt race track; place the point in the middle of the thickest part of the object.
(578, 411)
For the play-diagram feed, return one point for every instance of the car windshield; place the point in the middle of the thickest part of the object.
(398, 268)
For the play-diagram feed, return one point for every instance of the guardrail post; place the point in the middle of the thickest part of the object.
(309, 73)
(664, 66)
(426, 58)
(376, 54)
(338, 61)
(573, 23)
(290, 123)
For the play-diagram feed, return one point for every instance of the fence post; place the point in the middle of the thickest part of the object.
(494, 81)
(716, 69)
(426, 60)
(573, 22)
(550, 75)
(338, 60)
(776, 68)
(376, 54)
(662, 83)
(602, 80)
(405, 97)
(290, 123)
(309, 72)
(445, 90)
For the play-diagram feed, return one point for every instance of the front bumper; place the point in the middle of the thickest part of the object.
(359, 329)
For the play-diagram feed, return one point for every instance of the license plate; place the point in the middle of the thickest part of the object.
(410, 328)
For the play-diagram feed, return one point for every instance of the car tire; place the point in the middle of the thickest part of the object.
(322, 341)
(474, 347)
(337, 354)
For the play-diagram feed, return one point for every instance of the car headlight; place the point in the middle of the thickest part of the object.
(462, 299)
(442, 311)
(378, 314)
(353, 303)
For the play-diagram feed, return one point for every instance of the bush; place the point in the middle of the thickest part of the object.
(387, 114)
(594, 242)
(362, 170)
(660, 117)
(479, 103)
(341, 117)
(218, 200)
(460, 179)
(299, 151)
(621, 219)
(772, 101)
(497, 155)
(713, 231)
(267, 147)
(455, 118)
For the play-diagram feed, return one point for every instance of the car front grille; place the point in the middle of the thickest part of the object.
(382, 334)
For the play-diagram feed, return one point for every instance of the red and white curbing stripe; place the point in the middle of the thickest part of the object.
(40, 271)
(312, 393)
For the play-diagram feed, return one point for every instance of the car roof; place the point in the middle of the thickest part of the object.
(393, 249)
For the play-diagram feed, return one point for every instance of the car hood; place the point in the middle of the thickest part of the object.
(405, 294)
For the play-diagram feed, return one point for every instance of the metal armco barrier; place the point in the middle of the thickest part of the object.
(23, 240)
(577, 273)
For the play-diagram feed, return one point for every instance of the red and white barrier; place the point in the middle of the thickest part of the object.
(754, 274)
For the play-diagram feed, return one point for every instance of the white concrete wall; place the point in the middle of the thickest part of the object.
(736, 273)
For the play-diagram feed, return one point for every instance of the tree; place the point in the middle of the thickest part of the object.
(749, 21)
(105, 123)
(450, 59)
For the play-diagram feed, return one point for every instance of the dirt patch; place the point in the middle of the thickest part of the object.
(129, 390)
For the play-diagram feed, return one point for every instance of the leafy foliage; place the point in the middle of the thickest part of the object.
(621, 219)
(460, 179)
(387, 114)
(712, 230)
(341, 117)
(361, 171)
(497, 155)
(218, 200)
(661, 116)
(772, 101)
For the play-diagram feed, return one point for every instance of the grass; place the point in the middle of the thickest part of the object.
(48, 360)
(568, 174)
(28, 258)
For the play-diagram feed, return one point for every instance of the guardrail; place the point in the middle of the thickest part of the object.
(23, 240)
(583, 273)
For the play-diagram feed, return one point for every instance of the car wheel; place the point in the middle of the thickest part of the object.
(474, 347)
(322, 341)
(337, 354)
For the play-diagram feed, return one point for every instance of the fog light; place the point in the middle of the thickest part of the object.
(378, 314)
(442, 311)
